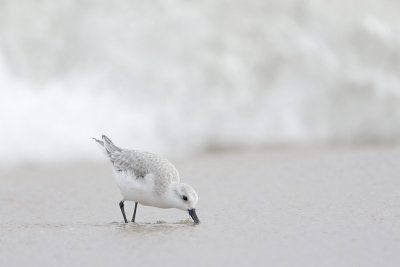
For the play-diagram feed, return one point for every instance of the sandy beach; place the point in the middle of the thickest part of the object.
(277, 207)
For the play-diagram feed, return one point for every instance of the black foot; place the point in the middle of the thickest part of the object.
(134, 213)
(121, 206)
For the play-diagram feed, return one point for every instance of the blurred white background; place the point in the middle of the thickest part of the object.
(179, 77)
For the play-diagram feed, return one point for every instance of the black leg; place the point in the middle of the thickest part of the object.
(121, 205)
(134, 213)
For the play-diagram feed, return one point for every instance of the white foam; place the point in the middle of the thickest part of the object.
(179, 78)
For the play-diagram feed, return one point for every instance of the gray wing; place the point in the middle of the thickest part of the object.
(140, 164)
(143, 163)
(130, 161)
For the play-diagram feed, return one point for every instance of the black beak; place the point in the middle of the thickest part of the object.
(193, 214)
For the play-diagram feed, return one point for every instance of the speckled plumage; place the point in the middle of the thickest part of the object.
(144, 163)
(148, 179)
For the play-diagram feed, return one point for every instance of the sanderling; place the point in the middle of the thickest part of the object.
(148, 179)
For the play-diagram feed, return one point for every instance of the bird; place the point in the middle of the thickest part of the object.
(148, 179)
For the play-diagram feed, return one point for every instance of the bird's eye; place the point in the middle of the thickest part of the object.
(184, 198)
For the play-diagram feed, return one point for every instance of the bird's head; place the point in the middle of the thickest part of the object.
(186, 198)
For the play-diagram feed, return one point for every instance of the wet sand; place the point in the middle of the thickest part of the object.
(280, 207)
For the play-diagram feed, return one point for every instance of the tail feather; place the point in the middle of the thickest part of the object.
(107, 145)
(101, 146)
(98, 141)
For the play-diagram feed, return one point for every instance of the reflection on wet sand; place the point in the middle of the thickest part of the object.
(158, 227)
(142, 227)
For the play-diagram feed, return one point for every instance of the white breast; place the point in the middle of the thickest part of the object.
(132, 188)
